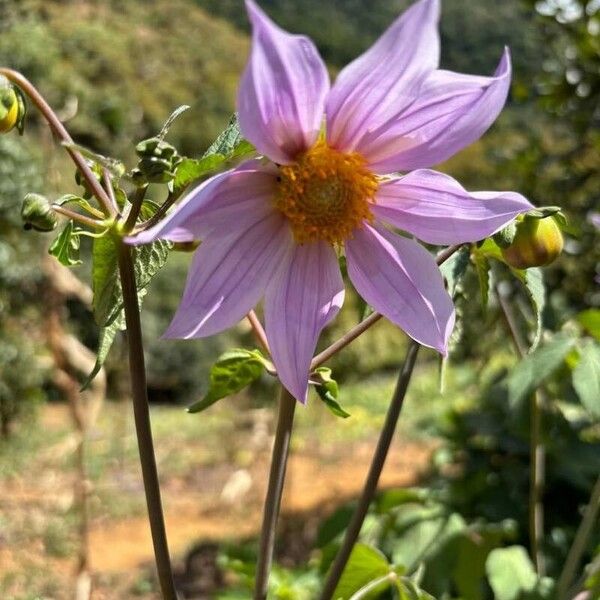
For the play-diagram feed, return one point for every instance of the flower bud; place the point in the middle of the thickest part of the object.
(9, 107)
(537, 242)
(37, 213)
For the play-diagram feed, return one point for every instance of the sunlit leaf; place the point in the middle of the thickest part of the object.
(586, 378)
(536, 367)
(510, 572)
(365, 564)
(232, 372)
(66, 246)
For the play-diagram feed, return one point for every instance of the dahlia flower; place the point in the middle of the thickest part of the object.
(328, 182)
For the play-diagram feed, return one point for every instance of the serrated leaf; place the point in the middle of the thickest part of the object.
(227, 140)
(106, 286)
(147, 261)
(455, 267)
(590, 320)
(586, 378)
(365, 564)
(510, 572)
(536, 367)
(232, 372)
(328, 391)
(65, 247)
(533, 280)
(105, 341)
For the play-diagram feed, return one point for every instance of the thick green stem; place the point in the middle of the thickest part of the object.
(370, 487)
(281, 447)
(142, 423)
(580, 543)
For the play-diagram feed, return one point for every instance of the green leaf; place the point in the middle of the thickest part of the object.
(510, 572)
(455, 267)
(364, 565)
(66, 246)
(590, 320)
(190, 170)
(232, 372)
(106, 285)
(105, 342)
(536, 367)
(228, 139)
(482, 266)
(105, 279)
(409, 590)
(533, 280)
(586, 378)
(328, 391)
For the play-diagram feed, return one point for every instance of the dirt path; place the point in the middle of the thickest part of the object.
(312, 483)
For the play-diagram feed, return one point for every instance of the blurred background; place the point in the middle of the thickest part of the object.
(114, 70)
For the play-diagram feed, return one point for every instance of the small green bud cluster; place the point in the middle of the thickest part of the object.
(158, 161)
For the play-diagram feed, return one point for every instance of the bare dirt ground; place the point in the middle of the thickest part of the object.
(204, 500)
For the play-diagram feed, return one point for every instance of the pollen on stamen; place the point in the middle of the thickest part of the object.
(326, 194)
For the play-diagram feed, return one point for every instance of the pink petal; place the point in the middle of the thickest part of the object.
(385, 78)
(228, 276)
(299, 303)
(401, 280)
(452, 111)
(282, 93)
(438, 210)
(235, 198)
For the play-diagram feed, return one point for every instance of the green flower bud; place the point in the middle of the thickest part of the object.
(37, 213)
(537, 242)
(155, 147)
(156, 170)
(9, 108)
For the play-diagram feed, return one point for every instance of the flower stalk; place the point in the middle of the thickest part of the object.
(537, 450)
(281, 447)
(370, 487)
(142, 423)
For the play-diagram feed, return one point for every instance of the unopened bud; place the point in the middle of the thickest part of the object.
(37, 213)
(12, 106)
(537, 242)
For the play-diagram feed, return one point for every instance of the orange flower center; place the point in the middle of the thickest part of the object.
(325, 194)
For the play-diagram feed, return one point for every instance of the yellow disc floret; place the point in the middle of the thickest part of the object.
(325, 194)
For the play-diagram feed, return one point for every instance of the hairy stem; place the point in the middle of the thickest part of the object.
(142, 423)
(580, 543)
(281, 447)
(537, 451)
(58, 128)
(370, 487)
(78, 217)
(137, 199)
